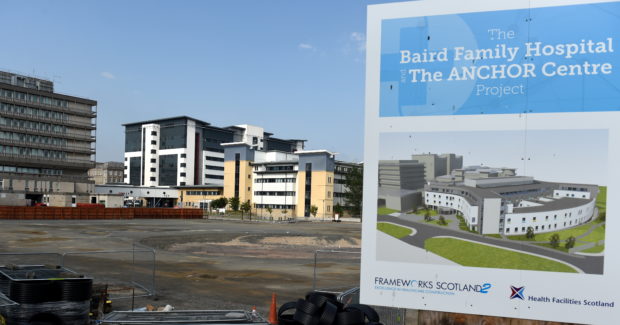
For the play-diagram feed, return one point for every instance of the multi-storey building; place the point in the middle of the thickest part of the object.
(438, 165)
(400, 184)
(288, 184)
(110, 172)
(183, 151)
(46, 143)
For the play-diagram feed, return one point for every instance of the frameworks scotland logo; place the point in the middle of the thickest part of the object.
(517, 292)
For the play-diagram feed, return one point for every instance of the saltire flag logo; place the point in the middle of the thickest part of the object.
(517, 292)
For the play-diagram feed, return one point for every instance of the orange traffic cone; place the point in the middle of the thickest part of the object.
(273, 314)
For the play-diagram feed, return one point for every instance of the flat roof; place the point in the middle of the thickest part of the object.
(557, 204)
(166, 119)
(200, 186)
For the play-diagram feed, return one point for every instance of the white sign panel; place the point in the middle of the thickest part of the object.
(491, 154)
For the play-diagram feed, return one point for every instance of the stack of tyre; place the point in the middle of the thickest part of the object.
(49, 301)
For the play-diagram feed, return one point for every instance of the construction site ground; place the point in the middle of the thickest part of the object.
(200, 264)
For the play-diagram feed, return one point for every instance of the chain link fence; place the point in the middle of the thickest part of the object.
(338, 272)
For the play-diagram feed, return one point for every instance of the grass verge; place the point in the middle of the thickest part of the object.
(478, 255)
(385, 211)
(394, 230)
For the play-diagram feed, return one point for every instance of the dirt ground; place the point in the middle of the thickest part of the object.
(200, 264)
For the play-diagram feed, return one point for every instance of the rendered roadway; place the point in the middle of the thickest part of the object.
(588, 264)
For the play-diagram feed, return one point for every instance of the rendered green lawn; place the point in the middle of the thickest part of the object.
(471, 254)
(595, 249)
(601, 199)
(394, 230)
(431, 212)
(436, 222)
(596, 235)
(384, 211)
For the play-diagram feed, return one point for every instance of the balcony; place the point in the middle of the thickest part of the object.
(42, 162)
(91, 113)
(35, 118)
(67, 135)
(48, 146)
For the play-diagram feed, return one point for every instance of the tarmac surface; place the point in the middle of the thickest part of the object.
(200, 264)
(588, 264)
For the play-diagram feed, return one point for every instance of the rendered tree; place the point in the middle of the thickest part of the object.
(269, 210)
(529, 234)
(354, 182)
(442, 221)
(427, 216)
(554, 240)
(570, 242)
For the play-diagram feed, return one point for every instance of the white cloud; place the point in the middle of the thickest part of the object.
(306, 46)
(359, 40)
(108, 75)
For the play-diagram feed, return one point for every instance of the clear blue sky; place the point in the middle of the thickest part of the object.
(579, 156)
(294, 67)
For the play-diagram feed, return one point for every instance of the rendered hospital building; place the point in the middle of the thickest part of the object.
(496, 200)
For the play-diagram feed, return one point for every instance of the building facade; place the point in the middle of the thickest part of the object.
(183, 151)
(438, 165)
(400, 184)
(285, 184)
(110, 172)
(47, 143)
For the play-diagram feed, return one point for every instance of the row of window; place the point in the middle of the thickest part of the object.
(275, 206)
(279, 168)
(275, 180)
(47, 127)
(204, 193)
(214, 167)
(214, 158)
(214, 176)
(52, 154)
(36, 112)
(275, 193)
(32, 138)
(33, 98)
(25, 170)
(542, 228)
(555, 217)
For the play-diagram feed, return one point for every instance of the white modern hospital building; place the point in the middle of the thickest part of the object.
(509, 205)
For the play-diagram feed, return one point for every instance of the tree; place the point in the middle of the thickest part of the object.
(354, 182)
(602, 215)
(529, 234)
(313, 210)
(338, 209)
(570, 242)
(442, 221)
(554, 240)
(284, 212)
(245, 208)
(427, 216)
(234, 203)
(219, 203)
(269, 210)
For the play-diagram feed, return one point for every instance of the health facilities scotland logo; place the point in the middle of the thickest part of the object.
(517, 292)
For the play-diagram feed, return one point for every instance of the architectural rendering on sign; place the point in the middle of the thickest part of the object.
(510, 205)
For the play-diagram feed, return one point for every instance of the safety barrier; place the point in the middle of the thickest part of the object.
(82, 213)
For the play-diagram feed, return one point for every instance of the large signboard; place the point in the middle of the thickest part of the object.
(491, 154)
